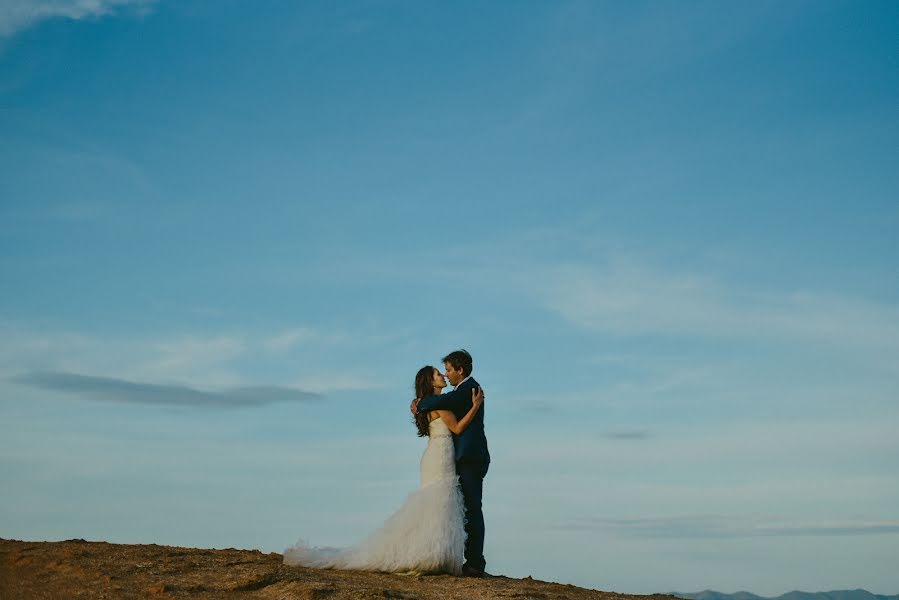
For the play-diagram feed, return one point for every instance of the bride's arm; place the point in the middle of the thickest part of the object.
(457, 427)
(448, 401)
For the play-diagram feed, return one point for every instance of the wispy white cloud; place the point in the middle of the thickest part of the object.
(295, 337)
(632, 299)
(771, 446)
(16, 15)
(720, 526)
(325, 382)
(634, 434)
(184, 355)
(613, 289)
(208, 361)
(120, 390)
(287, 339)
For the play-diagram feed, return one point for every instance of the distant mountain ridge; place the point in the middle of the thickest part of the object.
(796, 595)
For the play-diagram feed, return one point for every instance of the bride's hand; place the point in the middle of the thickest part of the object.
(477, 396)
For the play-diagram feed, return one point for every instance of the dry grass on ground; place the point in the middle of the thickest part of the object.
(76, 569)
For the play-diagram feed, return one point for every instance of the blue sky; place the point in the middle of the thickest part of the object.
(231, 233)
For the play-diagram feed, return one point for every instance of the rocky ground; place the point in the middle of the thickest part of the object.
(81, 569)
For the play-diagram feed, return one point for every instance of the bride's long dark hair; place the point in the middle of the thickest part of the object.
(424, 387)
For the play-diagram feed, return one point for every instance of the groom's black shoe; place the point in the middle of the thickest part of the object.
(472, 571)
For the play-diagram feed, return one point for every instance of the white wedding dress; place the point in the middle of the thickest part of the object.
(426, 535)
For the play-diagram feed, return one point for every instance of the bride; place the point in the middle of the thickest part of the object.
(427, 534)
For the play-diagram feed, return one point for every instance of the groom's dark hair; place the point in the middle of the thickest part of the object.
(461, 360)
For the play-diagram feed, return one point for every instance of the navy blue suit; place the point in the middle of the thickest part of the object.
(472, 462)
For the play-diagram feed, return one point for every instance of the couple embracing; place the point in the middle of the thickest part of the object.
(441, 522)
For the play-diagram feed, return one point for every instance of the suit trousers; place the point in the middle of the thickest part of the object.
(471, 480)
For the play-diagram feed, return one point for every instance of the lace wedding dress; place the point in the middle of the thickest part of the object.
(426, 535)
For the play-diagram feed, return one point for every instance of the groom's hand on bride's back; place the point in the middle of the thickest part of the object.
(414, 406)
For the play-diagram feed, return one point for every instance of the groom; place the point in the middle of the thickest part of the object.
(472, 457)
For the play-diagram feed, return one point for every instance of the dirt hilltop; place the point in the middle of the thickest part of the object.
(81, 569)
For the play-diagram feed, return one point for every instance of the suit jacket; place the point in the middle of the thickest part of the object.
(471, 446)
